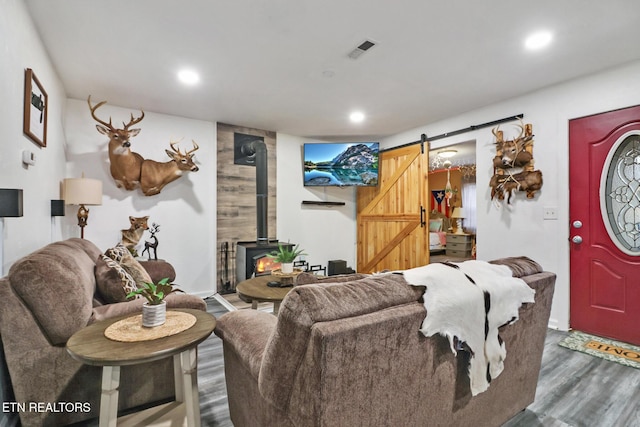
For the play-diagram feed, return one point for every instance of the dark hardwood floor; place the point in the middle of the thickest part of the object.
(578, 390)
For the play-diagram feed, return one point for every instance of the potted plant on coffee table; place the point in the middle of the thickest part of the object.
(154, 309)
(285, 255)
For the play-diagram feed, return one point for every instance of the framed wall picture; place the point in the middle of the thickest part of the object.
(36, 102)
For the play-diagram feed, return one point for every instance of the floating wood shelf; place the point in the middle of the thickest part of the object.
(321, 203)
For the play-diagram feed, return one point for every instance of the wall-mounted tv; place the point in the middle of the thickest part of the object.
(341, 164)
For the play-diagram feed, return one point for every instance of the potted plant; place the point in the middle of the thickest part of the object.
(286, 256)
(154, 309)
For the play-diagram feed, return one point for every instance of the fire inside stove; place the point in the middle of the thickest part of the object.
(265, 265)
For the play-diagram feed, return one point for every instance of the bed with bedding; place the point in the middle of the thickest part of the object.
(438, 226)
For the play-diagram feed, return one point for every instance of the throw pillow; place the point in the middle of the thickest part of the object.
(435, 225)
(122, 256)
(113, 281)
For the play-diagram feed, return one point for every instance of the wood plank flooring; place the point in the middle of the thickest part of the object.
(579, 390)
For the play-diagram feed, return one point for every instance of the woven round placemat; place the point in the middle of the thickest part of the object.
(131, 329)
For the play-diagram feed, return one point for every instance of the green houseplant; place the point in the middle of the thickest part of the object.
(285, 255)
(154, 309)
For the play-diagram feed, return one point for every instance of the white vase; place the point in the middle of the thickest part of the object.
(286, 267)
(154, 315)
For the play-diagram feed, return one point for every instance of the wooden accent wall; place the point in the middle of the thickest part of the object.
(236, 190)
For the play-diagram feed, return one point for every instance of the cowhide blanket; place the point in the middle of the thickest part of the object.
(469, 301)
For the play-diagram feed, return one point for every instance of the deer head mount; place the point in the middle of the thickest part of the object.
(124, 164)
(155, 175)
(129, 169)
(512, 153)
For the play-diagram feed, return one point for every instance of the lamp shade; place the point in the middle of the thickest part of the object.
(10, 202)
(82, 191)
(459, 213)
(57, 208)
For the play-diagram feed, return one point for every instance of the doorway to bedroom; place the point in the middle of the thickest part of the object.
(452, 206)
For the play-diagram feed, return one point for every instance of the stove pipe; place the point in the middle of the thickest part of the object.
(259, 148)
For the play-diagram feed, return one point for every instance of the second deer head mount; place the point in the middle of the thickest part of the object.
(129, 169)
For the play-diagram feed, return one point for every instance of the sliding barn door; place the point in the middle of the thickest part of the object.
(392, 218)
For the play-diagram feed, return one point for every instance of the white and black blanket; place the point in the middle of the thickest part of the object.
(468, 302)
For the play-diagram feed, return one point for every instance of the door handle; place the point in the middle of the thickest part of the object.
(576, 239)
(422, 221)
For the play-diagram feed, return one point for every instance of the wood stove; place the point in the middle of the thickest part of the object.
(249, 254)
(252, 260)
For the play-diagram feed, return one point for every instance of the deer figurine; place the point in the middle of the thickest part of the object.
(148, 245)
(155, 175)
(125, 164)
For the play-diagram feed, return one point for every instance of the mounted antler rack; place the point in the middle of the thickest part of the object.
(513, 165)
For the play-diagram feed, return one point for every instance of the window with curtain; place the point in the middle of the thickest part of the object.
(469, 204)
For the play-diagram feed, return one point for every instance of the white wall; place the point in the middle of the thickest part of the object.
(184, 209)
(519, 229)
(21, 49)
(326, 233)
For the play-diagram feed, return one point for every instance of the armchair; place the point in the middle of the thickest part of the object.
(48, 296)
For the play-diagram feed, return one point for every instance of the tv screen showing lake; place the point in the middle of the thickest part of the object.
(341, 164)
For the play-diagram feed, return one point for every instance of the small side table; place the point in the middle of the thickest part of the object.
(90, 346)
(255, 290)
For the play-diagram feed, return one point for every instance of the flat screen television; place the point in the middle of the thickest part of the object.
(341, 164)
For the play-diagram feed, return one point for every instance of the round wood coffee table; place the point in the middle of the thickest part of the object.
(255, 290)
(90, 346)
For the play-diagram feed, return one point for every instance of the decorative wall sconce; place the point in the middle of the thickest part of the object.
(82, 191)
(10, 206)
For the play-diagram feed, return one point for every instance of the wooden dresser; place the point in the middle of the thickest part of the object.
(459, 245)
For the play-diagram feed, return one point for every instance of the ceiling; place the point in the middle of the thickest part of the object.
(283, 65)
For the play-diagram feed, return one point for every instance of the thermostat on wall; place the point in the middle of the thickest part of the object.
(28, 157)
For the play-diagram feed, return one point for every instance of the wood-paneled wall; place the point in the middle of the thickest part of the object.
(236, 189)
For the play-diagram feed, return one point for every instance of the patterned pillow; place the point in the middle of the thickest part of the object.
(122, 256)
(113, 281)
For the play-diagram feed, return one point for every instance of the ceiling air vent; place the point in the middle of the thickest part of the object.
(362, 48)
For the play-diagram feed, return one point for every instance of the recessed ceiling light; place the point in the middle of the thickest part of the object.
(538, 40)
(188, 77)
(356, 117)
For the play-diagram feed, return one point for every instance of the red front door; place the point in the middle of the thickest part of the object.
(604, 209)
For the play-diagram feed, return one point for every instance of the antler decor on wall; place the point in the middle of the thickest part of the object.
(129, 169)
(513, 165)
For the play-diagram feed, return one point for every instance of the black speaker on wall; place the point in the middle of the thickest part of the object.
(10, 202)
(57, 208)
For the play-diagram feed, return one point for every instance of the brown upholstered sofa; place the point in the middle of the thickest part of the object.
(46, 297)
(351, 354)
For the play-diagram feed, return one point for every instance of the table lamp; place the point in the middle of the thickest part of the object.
(458, 214)
(10, 206)
(82, 191)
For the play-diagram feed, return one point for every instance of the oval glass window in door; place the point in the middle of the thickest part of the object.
(620, 193)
